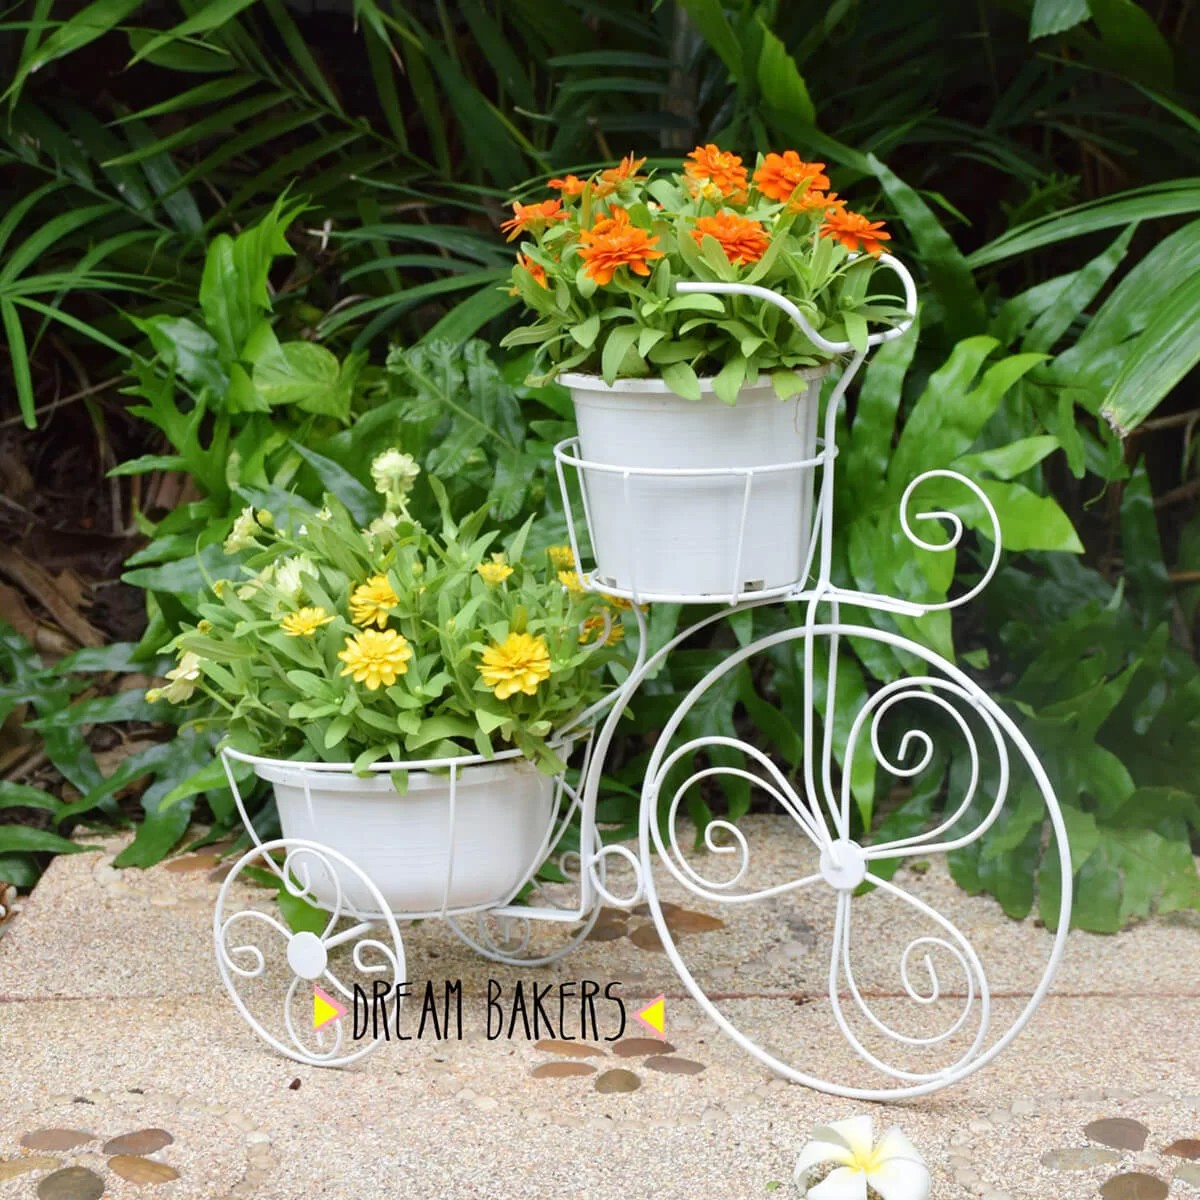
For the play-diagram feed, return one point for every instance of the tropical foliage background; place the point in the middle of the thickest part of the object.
(243, 239)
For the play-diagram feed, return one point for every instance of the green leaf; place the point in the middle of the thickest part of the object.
(17, 795)
(22, 838)
(780, 83)
(1173, 198)
(233, 287)
(616, 347)
(1027, 521)
(1132, 305)
(729, 380)
(709, 18)
(946, 419)
(210, 15)
(191, 352)
(682, 380)
(1056, 16)
(19, 357)
(363, 505)
(585, 332)
(306, 375)
(1145, 571)
(301, 916)
(1080, 291)
(89, 23)
(1137, 46)
(1006, 462)
(1165, 351)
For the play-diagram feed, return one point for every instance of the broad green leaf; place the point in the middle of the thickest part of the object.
(1027, 521)
(1139, 49)
(945, 421)
(1056, 16)
(1162, 354)
(163, 824)
(186, 348)
(1131, 306)
(22, 837)
(363, 504)
(117, 656)
(233, 288)
(299, 914)
(1080, 291)
(780, 83)
(1176, 197)
(586, 331)
(709, 18)
(1144, 568)
(616, 346)
(729, 380)
(1007, 462)
(306, 375)
(682, 380)
(17, 795)
(870, 445)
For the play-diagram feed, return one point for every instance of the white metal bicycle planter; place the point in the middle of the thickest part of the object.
(819, 805)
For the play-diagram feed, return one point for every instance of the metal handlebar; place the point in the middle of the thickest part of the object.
(876, 339)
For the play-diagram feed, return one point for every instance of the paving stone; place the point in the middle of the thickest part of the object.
(1081, 1158)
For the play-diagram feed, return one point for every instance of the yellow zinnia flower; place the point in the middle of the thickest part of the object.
(593, 628)
(571, 581)
(372, 601)
(562, 557)
(376, 658)
(496, 571)
(304, 622)
(517, 664)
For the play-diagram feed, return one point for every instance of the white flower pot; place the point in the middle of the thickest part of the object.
(407, 845)
(736, 522)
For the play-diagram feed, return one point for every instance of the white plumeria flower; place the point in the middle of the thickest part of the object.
(891, 1166)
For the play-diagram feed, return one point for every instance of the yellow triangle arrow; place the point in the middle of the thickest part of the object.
(654, 1015)
(325, 1008)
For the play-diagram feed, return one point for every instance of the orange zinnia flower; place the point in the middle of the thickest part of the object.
(534, 268)
(781, 174)
(743, 240)
(533, 217)
(613, 242)
(716, 174)
(569, 185)
(855, 232)
(626, 171)
(816, 202)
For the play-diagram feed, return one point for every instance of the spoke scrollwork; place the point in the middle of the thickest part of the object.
(253, 968)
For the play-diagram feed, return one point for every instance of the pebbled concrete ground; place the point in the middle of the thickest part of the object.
(113, 1019)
